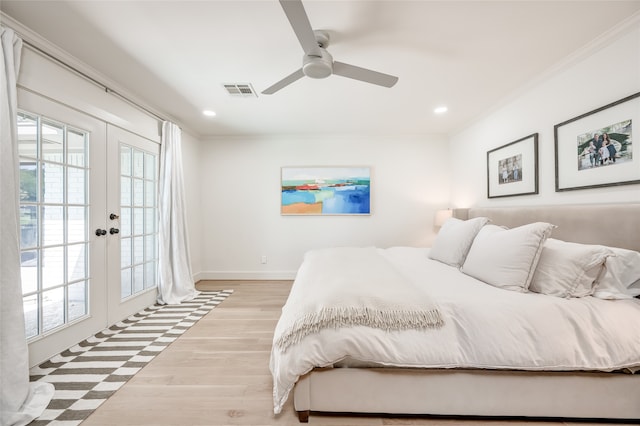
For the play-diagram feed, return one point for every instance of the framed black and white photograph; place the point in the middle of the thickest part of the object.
(512, 169)
(595, 149)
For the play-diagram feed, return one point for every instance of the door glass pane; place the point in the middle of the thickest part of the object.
(77, 300)
(52, 267)
(149, 247)
(30, 305)
(138, 279)
(138, 192)
(28, 181)
(52, 183)
(149, 193)
(76, 224)
(53, 234)
(52, 308)
(125, 282)
(149, 166)
(138, 221)
(149, 221)
(52, 225)
(138, 164)
(76, 185)
(125, 191)
(150, 274)
(29, 271)
(125, 252)
(52, 142)
(76, 262)
(76, 148)
(138, 250)
(28, 135)
(125, 221)
(28, 226)
(125, 160)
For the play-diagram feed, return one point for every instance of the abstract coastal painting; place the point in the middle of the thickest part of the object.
(326, 191)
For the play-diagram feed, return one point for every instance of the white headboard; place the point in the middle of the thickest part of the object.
(616, 225)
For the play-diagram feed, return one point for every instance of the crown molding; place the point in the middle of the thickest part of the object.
(44, 47)
(628, 25)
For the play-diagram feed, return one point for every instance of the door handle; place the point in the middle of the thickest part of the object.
(113, 231)
(113, 216)
(100, 232)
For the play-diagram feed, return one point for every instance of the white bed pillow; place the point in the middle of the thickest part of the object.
(507, 258)
(568, 269)
(454, 239)
(620, 277)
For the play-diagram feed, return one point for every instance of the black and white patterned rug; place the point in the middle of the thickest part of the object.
(87, 374)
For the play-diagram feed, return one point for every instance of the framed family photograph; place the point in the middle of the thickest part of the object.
(325, 190)
(595, 149)
(512, 169)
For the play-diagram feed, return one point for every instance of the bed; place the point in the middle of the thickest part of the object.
(334, 369)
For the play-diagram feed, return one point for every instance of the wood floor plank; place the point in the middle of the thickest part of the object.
(217, 372)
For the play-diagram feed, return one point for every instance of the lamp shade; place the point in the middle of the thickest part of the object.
(442, 216)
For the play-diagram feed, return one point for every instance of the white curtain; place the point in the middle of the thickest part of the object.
(20, 401)
(175, 277)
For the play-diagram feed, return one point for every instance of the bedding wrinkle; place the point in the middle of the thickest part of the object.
(586, 348)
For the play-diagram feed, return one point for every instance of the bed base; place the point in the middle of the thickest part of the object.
(476, 393)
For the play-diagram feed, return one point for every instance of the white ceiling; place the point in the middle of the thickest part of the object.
(468, 55)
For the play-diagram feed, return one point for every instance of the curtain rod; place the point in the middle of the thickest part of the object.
(91, 79)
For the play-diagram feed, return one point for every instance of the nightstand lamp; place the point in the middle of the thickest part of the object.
(442, 216)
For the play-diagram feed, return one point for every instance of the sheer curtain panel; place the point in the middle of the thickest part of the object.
(174, 263)
(20, 401)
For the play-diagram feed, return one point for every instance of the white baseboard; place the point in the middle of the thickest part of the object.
(244, 275)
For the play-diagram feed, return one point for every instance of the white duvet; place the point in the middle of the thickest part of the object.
(484, 327)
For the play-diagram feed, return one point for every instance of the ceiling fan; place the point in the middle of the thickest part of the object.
(317, 62)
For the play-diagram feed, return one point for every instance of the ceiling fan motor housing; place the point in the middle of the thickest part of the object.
(318, 66)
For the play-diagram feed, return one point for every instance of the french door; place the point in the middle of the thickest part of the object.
(73, 259)
(133, 218)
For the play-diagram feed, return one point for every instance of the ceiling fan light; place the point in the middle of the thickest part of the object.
(316, 70)
(318, 66)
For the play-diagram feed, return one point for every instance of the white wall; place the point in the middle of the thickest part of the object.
(606, 75)
(193, 184)
(240, 191)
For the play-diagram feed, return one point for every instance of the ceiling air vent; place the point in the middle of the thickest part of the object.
(240, 90)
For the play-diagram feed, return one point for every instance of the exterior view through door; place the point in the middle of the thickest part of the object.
(88, 224)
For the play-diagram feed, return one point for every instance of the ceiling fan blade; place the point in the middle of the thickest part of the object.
(363, 74)
(301, 26)
(296, 75)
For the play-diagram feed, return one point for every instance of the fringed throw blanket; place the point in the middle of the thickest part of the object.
(345, 287)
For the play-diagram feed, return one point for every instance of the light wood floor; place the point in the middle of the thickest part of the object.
(217, 373)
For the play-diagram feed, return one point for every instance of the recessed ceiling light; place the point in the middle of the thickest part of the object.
(209, 113)
(440, 110)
